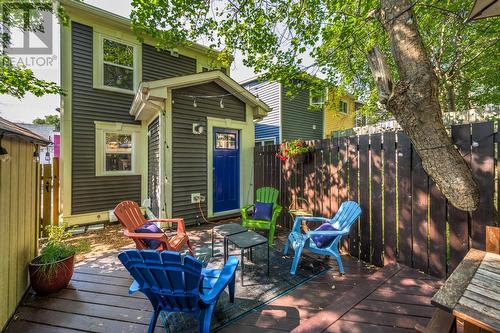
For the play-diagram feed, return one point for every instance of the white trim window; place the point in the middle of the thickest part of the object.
(116, 149)
(316, 98)
(265, 141)
(116, 64)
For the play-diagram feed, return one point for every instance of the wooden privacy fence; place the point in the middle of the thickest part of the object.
(49, 186)
(404, 217)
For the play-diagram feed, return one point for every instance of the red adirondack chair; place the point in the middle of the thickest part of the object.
(130, 216)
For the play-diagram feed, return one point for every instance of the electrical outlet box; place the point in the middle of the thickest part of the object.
(196, 198)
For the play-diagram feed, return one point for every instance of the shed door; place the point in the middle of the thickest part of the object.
(226, 155)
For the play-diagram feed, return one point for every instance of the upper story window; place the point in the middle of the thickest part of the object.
(116, 64)
(316, 98)
(343, 107)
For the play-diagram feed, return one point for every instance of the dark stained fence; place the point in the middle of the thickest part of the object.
(405, 217)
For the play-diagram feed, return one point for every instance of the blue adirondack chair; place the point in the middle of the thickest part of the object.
(178, 284)
(342, 221)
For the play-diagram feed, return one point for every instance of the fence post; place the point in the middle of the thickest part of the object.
(46, 193)
(55, 191)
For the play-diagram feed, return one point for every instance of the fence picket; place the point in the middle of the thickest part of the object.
(390, 232)
(420, 191)
(437, 232)
(405, 241)
(458, 220)
(483, 170)
(364, 197)
(353, 194)
(376, 199)
(334, 177)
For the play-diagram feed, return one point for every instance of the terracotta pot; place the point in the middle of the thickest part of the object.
(43, 283)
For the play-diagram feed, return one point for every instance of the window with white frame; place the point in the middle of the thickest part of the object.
(118, 152)
(316, 98)
(265, 142)
(343, 107)
(116, 147)
(115, 64)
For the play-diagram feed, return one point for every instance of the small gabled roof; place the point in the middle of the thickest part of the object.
(146, 90)
(8, 128)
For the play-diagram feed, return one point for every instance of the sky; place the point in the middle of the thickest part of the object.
(31, 107)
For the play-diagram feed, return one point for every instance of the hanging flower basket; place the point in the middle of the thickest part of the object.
(296, 150)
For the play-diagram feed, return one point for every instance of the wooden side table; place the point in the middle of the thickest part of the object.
(472, 292)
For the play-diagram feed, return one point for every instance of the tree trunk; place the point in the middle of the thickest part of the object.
(414, 102)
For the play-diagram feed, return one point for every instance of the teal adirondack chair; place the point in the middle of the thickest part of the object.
(346, 216)
(267, 195)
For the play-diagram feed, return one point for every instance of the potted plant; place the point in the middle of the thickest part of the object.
(295, 149)
(52, 270)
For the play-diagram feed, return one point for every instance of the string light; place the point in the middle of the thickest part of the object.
(194, 103)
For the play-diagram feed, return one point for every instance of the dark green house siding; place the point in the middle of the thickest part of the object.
(154, 165)
(91, 193)
(189, 154)
(158, 65)
(296, 119)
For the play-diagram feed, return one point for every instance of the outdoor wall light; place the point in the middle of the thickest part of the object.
(47, 156)
(197, 128)
(475, 144)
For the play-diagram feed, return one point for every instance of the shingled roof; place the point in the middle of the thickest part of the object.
(8, 128)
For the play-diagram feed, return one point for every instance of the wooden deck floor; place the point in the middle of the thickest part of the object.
(392, 299)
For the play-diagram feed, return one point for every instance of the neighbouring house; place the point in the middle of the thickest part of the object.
(164, 128)
(19, 212)
(306, 115)
(339, 113)
(47, 132)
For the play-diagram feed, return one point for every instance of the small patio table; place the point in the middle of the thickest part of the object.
(472, 292)
(246, 241)
(224, 231)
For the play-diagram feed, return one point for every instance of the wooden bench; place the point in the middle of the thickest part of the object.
(441, 322)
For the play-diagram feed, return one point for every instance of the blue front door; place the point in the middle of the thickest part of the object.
(226, 170)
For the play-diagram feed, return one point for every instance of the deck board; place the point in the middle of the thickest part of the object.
(392, 300)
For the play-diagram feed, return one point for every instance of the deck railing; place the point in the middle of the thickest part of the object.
(405, 217)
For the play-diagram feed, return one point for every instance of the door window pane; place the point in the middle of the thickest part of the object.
(225, 141)
(118, 152)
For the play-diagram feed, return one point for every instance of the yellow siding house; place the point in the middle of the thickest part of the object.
(339, 113)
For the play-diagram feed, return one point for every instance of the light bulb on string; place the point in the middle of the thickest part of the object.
(194, 103)
(221, 103)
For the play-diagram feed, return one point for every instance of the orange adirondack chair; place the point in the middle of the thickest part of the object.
(130, 216)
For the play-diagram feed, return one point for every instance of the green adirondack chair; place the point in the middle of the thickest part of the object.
(268, 195)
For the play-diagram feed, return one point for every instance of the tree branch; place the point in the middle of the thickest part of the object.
(381, 73)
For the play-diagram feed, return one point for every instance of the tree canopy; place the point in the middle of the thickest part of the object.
(277, 37)
(52, 119)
